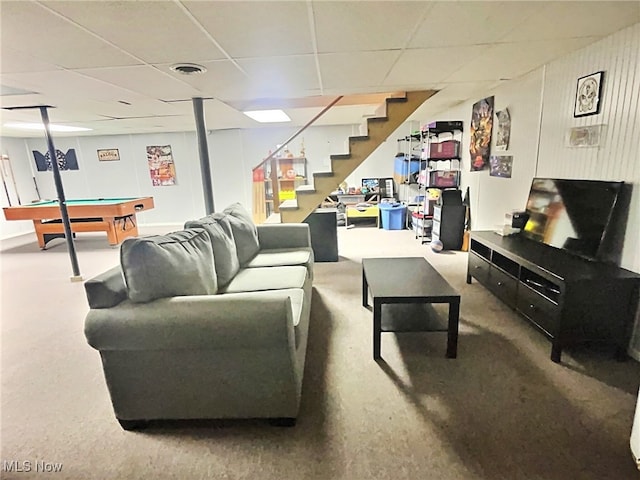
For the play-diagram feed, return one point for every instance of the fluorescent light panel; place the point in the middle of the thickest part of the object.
(40, 126)
(268, 116)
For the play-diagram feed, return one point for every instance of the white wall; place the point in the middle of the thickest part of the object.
(232, 155)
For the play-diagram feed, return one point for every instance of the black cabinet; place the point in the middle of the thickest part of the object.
(569, 299)
(448, 225)
(323, 228)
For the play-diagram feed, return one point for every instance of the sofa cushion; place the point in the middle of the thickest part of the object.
(275, 257)
(267, 278)
(179, 263)
(107, 289)
(225, 254)
(245, 233)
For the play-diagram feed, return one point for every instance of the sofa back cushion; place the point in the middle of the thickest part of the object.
(225, 255)
(245, 232)
(158, 266)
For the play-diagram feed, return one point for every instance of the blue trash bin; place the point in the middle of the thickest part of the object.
(393, 216)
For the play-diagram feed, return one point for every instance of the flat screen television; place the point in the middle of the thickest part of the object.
(371, 184)
(583, 217)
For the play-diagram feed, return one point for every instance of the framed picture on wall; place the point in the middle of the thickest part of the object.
(108, 154)
(588, 92)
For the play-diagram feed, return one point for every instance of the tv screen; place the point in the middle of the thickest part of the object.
(574, 215)
(371, 184)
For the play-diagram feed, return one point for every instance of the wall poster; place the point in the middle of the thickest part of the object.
(588, 93)
(501, 166)
(503, 132)
(161, 165)
(481, 126)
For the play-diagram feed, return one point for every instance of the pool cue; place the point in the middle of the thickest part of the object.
(33, 174)
(13, 178)
(4, 182)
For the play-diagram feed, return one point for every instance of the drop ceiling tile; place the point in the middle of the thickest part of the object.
(429, 65)
(144, 80)
(17, 61)
(289, 76)
(353, 70)
(62, 84)
(49, 38)
(365, 26)
(252, 29)
(221, 80)
(469, 23)
(155, 32)
(559, 20)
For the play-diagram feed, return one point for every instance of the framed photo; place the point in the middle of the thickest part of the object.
(585, 136)
(588, 92)
(108, 155)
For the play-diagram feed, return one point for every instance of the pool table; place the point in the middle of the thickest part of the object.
(116, 216)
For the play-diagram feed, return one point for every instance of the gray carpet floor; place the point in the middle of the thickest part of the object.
(501, 410)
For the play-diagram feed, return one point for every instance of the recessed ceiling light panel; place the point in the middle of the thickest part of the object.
(188, 68)
(268, 116)
(40, 126)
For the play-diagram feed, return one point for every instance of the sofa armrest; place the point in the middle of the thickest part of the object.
(230, 321)
(284, 235)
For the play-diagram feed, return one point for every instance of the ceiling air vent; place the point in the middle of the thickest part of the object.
(188, 68)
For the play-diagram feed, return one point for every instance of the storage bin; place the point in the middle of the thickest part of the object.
(403, 168)
(446, 149)
(393, 216)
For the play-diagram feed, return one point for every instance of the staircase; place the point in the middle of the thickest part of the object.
(309, 197)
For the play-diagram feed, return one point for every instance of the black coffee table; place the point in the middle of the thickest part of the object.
(407, 280)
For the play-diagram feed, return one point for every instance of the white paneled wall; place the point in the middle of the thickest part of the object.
(618, 156)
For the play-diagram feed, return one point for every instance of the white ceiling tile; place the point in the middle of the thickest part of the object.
(281, 76)
(365, 26)
(144, 80)
(69, 85)
(51, 39)
(558, 20)
(355, 69)
(16, 61)
(253, 29)
(429, 65)
(158, 34)
(221, 80)
(472, 23)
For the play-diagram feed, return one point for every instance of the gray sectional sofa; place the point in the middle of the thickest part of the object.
(207, 322)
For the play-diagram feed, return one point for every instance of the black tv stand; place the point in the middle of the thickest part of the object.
(569, 299)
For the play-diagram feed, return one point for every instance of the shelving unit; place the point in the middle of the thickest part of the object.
(408, 163)
(441, 143)
(276, 182)
(282, 176)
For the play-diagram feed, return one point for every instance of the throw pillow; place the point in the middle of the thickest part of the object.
(245, 232)
(159, 266)
(225, 255)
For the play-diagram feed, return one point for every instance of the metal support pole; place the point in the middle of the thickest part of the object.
(61, 198)
(205, 167)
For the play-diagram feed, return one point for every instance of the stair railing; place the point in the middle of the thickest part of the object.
(259, 210)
